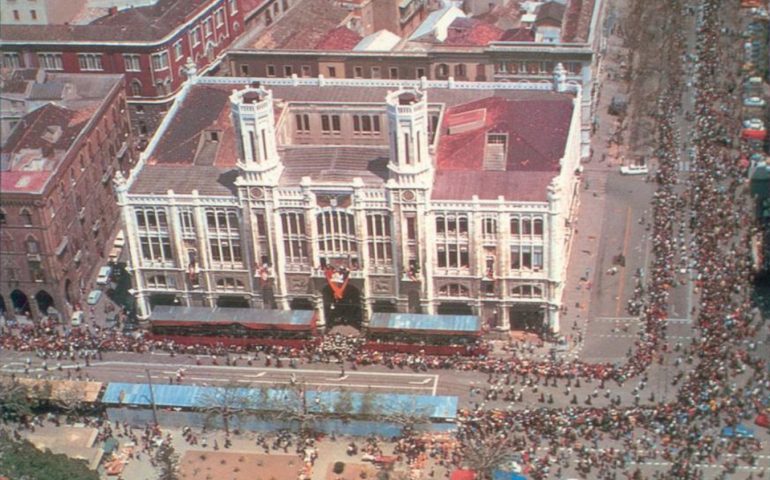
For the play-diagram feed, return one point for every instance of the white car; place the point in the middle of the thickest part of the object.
(77, 318)
(93, 297)
(120, 240)
(754, 124)
(634, 170)
(104, 275)
(754, 102)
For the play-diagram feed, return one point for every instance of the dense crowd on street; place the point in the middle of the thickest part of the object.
(699, 220)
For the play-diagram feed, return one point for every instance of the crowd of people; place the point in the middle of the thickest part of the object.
(698, 220)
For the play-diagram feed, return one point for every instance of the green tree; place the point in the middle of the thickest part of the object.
(229, 402)
(168, 462)
(291, 405)
(22, 461)
(14, 399)
(485, 450)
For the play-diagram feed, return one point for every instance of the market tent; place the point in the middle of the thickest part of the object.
(432, 324)
(251, 318)
(463, 475)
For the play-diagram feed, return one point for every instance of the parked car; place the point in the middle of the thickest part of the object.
(93, 297)
(77, 318)
(754, 102)
(120, 240)
(103, 278)
(754, 124)
(634, 170)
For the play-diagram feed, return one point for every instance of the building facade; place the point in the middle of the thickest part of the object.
(357, 196)
(150, 45)
(57, 205)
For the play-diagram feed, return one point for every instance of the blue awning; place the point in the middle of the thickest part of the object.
(356, 403)
(428, 323)
(168, 313)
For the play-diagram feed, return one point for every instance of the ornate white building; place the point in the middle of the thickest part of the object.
(358, 196)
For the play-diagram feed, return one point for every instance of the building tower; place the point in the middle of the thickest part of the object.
(410, 162)
(254, 119)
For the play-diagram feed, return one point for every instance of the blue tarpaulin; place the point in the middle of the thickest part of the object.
(428, 323)
(740, 431)
(168, 314)
(355, 403)
(501, 475)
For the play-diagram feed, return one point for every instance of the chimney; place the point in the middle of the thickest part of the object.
(112, 11)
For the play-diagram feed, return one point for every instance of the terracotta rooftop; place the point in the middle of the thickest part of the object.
(576, 25)
(518, 35)
(340, 38)
(469, 31)
(550, 13)
(135, 24)
(43, 136)
(304, 26)
(536, 131)
(536, 123)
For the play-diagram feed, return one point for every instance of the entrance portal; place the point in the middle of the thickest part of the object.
(344, 311)
(527, 317)
(20, 302)
(231, 301)
(44, 301)
(454, 308)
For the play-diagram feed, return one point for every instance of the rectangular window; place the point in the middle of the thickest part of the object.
(223, 230)
(187, 223)
(271, 70)
(303, 123)
(515, 257)
(305, 70)
(219, 17)
(287, 71)
(131, 63)
(90, 62)
(233, 6)
(336, 127)
(294, 237)
(393, 72)
(195, 34)
(358, 72)
(376, 72)
(33, 14)
(16, 15)
(325, 125)
(11, 60)
(379, 240)
(420, 73)
(526, 256)
(537, 258)
(411, 228)
(50, 61)
(515, 226)
(207, 28)
(332, 72)
(178, 53)
(160, 61)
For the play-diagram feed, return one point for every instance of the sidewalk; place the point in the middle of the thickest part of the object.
(589, 219)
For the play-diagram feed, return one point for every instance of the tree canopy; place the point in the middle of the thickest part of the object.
(22, 461)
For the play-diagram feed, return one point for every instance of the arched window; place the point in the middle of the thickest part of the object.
(460, 70)
(26, 217)
(157, 281)
(453, 290)
(527, 291)
(236, 27)
(537, 227)
(442, 70)
(229, 283)
(32, 246)
(336, 233)
(136, 88)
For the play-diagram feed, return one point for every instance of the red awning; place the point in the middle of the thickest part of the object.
(463, 475)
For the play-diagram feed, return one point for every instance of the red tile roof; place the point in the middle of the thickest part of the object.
(537, 134)
(518, 35)
(513, 186)
(340, 38)
(303, 26)
(135, 24)
(471, 32)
